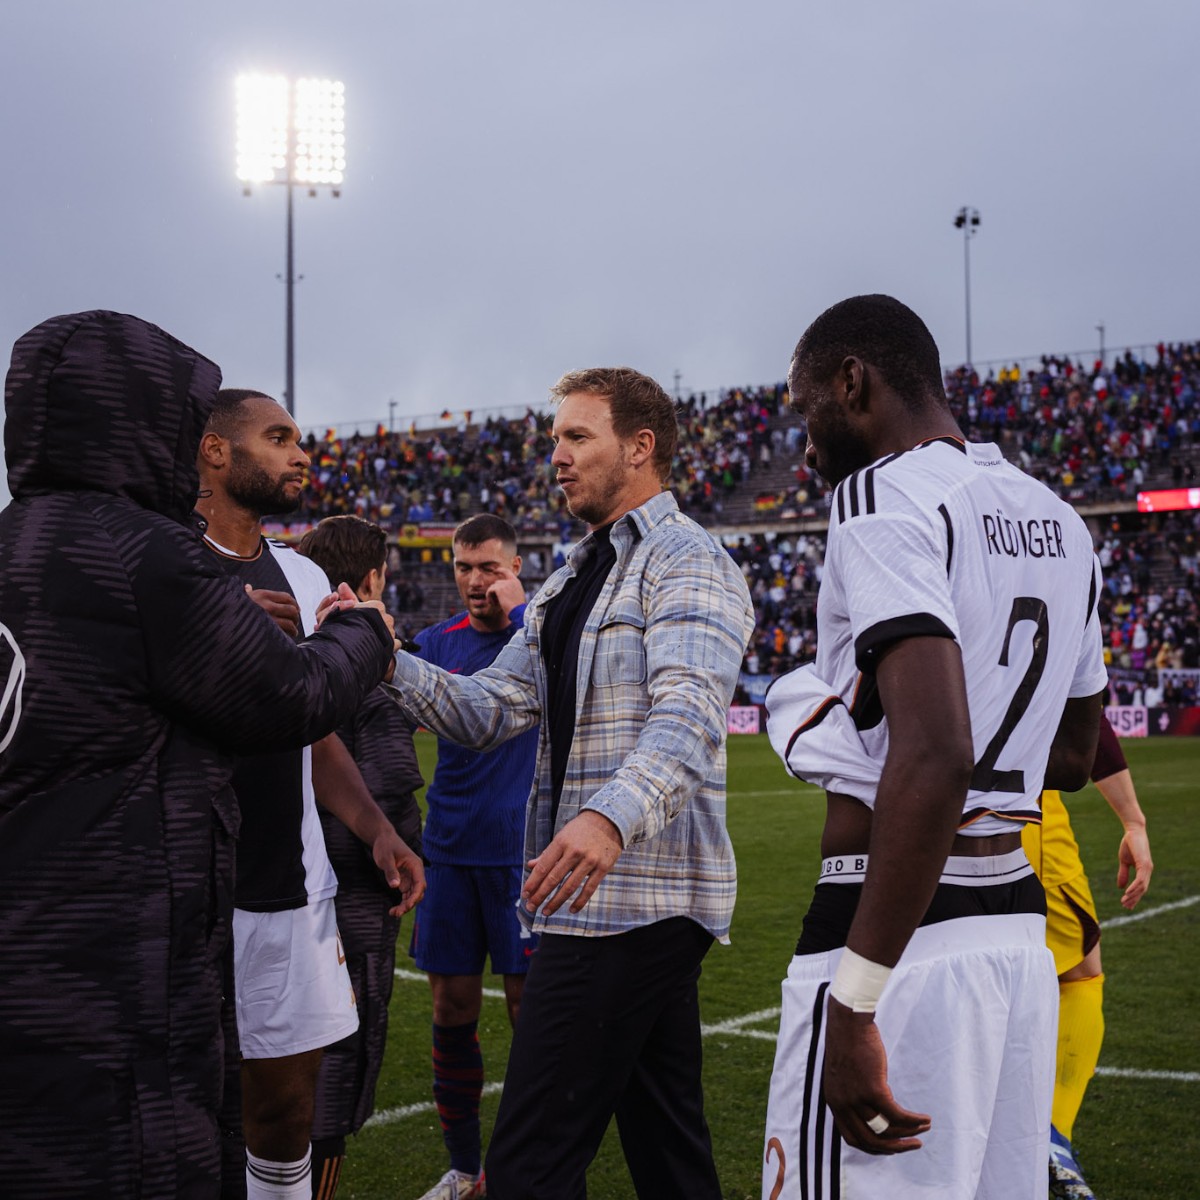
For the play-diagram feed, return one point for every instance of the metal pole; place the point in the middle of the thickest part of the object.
(291, 364)
(290, 386)
(967, 273)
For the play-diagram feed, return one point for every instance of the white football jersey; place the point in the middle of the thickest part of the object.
(950, 540)
(310, 585)
(277, 786)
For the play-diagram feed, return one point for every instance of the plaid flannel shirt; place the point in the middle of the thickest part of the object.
(658, 661)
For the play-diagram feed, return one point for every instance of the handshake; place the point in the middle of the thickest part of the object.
(282, 608)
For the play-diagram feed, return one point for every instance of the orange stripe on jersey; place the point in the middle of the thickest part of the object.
(1020, 816)
(819, 714)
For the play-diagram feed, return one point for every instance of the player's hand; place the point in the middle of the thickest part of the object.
(856, 1086)
(1134, 854)
(507, 592)
(580, 855)
(340, 601)
(402, 869)
(281, 607)
(388, 619)
(344, 599)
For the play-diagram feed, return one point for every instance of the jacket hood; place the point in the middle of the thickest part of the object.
(101, 401)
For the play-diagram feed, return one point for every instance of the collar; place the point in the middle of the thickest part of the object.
(949, 438)
(225, 552)
(629, 528)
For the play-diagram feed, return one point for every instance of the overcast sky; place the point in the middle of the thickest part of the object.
(534, 186)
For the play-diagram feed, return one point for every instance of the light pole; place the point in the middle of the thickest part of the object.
(967, 219)
(291, 133)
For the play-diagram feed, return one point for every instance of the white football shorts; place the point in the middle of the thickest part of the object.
(292, 988)
(968, 1019)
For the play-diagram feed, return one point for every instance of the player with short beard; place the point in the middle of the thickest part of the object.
(628, 660)
(293, 992)
(952, 681)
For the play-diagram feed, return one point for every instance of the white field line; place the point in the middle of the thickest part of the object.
(1149, 912)
(793, 791)
(389, 1116)
(1129, 1073)
(421, 977)
(737, 1027)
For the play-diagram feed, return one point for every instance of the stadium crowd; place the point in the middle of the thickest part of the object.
(1090, 433)
(1149, 608)
(783, 574)
(1150, 615)
(503, 466)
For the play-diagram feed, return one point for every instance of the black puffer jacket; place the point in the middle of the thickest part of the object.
(131, 667)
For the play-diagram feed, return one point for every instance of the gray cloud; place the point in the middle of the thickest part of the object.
(536, 186)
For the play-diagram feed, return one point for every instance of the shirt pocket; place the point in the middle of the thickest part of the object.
(620, 659)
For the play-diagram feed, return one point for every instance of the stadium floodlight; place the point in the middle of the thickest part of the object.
(967, 219)
(262, 128)
(320, 125)
(291, 133)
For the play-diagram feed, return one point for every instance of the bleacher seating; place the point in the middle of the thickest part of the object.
(1095, 434)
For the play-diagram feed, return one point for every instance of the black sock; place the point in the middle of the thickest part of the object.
(328, 1154)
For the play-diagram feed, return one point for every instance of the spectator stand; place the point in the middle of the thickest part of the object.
(1096, 435)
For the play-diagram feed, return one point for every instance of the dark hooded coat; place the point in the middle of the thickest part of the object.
(132, 666)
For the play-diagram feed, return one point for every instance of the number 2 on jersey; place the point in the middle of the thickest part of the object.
(985, 777)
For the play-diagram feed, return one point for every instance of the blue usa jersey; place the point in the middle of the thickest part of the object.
(476, 802)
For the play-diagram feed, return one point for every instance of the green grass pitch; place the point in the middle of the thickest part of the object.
(1137, 1135)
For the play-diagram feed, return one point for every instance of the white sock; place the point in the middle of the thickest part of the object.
(279, 1181)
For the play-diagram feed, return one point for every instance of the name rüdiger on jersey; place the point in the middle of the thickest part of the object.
(1036, 538)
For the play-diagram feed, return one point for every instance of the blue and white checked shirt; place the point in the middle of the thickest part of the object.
(658, 661)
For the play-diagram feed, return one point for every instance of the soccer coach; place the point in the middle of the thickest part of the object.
(628, 658)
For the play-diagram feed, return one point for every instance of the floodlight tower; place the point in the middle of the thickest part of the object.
(967, 219)
(293, 134)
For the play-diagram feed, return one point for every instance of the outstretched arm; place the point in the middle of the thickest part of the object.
(479, 711)
(218, 664)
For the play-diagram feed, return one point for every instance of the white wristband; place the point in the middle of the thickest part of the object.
(858, 982)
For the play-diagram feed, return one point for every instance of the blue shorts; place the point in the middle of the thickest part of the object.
(467, 914)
